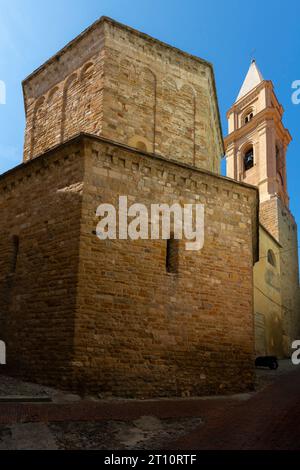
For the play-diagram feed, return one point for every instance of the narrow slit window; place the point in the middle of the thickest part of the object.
(172, 255)
(14, 254)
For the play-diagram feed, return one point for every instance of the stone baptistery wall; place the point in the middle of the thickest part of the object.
(108, 316)
(115, 82)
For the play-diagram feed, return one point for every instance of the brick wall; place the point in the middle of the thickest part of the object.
(160, 97)
(268, 216)
(66, 97)
(141, 331)
(40, 203)
(105, 316)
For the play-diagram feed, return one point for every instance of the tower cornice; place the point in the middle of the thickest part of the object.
(260, 119)
(251, 95)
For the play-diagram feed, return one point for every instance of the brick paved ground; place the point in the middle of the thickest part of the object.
(12, 413)
(268, 419)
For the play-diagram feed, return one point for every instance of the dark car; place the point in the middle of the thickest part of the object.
(267, 361)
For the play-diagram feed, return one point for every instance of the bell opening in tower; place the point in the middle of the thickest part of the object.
(248, 159)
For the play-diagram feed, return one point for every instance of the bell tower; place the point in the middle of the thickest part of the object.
(256, 148)
(257, 142)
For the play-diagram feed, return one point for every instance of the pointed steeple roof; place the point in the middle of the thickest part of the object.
(253, 78)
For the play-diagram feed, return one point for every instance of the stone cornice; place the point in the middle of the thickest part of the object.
(75, 147)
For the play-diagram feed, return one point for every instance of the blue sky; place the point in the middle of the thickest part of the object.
(227, 33)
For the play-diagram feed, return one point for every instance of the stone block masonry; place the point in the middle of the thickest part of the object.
(40, 205)
(116, 82)
(106, 316)
(118, 113)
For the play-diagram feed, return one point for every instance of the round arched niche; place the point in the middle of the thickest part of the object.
(140, 143)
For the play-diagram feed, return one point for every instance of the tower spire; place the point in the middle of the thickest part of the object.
(253, 78)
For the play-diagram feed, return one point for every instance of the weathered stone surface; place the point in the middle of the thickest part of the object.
(116, 82)
(41, 206)
(108, 316)
(105, 316)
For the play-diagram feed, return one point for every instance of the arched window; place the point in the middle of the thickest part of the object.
(248, 117)
(271, 258)
(248, 159)
(172, 255)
